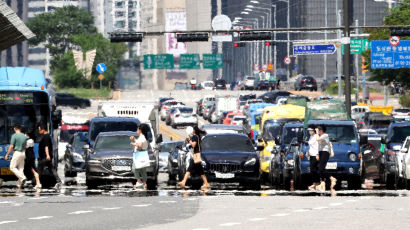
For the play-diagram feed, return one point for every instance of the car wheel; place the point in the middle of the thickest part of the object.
(162, 119)
(69, 173)
(391, 182)
(152, 184)
(256, 185)
(354, 183)
(91, 184)
(172, 179)
(83, 106)
(174, 126)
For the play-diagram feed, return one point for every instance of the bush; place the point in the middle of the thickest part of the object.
(333, 89)
(405, 100)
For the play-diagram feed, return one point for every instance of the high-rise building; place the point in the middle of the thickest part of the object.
(16, 55)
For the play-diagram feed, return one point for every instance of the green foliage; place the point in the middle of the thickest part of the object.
(105, 93)
(333, 89)
(56, 28)
(65, 72)
(399, 15)
(405, 100)
(107, 52)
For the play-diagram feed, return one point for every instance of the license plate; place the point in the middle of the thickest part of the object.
(121, 168)
(331, 165)
(224, 175)
(6, 171)
(309, 85)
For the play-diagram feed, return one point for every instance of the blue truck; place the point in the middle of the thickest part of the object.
(345, 165)
(25, 99)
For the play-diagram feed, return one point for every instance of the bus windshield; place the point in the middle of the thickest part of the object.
(271, 129)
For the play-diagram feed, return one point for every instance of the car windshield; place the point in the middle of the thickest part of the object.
(215, 143)
(250, 78)
(186, 110)
(399, 134)
(78, 143)
(402, 110)
(374, 124)
(208, 84)
(230, 116)
(111, 126)
(118, 142)
(289, 133)
(343, 133)
(170, 147)
(271, 129)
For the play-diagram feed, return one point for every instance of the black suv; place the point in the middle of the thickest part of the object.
(220, 84)
(67, 99)
(306, 82)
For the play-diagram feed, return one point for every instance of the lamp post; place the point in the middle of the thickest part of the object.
(288, 34)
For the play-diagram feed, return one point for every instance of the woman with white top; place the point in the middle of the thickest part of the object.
(314, 158)
(324, 154)
(140, 144)
(30, 157)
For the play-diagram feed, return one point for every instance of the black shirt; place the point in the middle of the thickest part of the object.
(45, 141)
(195, 139)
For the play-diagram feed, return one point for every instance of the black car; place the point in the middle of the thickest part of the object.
(270, 97)
(305, 82)
(373, 166)
(74, 158)
(66, 99)
(230, 158)
(111, 160)
(168, 154)
(162, 100)
(220, 84)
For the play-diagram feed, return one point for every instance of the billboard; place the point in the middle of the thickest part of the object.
(175, 21)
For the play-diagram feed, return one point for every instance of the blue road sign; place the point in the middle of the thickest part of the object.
(385, 56)
(313, 49)
(101, 68)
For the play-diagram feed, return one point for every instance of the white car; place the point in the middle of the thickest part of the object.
(359, 111)
(403, 157)
(238, 120)
(401, 114)
(166, 106)
(207, 85)
(184, 116)
(249, 83)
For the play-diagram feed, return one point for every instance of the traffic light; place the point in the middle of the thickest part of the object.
(255, 36)
(239, 44)
(400, 31)
(268, 43)
(126, 37)
(196, 37)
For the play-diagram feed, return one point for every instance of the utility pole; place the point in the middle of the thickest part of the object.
(325, 55)
(356, 59)
(346, 16)
(339, 54)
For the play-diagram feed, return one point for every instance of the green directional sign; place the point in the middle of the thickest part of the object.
(190, 61)
(357, 45)
(212, 61)
(158, 61)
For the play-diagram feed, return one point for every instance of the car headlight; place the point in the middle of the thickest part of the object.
(251, 161)
(352, 156)
(397, 147)
(93, 161)
(269, 148)
(291, 162)
(78, 157)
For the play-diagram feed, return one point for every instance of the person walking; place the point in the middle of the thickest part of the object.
(195, 142)
(314, 158)
(324, 154)
(45, 154)
(140, 144)
(17, 146)
(30, 157)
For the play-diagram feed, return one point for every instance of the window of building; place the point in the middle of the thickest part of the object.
(119, 14)
(120, 24)
(132, 4)
(119, 4)
(132, 14)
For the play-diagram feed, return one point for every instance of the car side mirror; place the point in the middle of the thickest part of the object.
(159, 138)
(363, 140)
(277, 140)
(259, 148)
(86, 147)
(56, 118)
(404, 150)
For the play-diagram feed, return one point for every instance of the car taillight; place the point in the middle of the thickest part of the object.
(214, 84)
(252, 134)
(303, 80)
(314, 81)
(165, 107)
(206, 111)
(201, 105)
(170, 114)
(246, 106)
(408, 114)
(394, 114)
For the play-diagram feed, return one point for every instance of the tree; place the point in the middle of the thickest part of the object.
(66, 74)
(55, 28)
(399, 15)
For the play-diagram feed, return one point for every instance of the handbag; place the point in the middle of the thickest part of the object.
(197, 156)
(332, 153)
(140, 159)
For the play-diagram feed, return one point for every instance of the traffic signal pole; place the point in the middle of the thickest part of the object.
(346, 62)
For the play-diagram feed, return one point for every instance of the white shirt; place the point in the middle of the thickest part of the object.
(324, 144)
(141, 139)
(313, 145)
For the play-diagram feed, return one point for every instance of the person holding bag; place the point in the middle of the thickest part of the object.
(313, 158)
(195, 165)
(140, 158)
(325, 147)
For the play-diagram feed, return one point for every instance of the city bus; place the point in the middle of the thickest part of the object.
(24, 99)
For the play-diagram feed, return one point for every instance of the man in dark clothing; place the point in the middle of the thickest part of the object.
(45, 154)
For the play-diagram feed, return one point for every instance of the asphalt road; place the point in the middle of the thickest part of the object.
(223, 207)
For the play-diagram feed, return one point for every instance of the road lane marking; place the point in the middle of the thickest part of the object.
(229, 224)
(336, 204)
(8, 221)
(280, 214)
(301, 210)
(257, 219)
(141, 205)
(38, 198)
(320, 208)
(200, 229)
(40, 217)
(79, 212)
(7, 202)
(167, 201)
(113, 208)
(351, 201)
